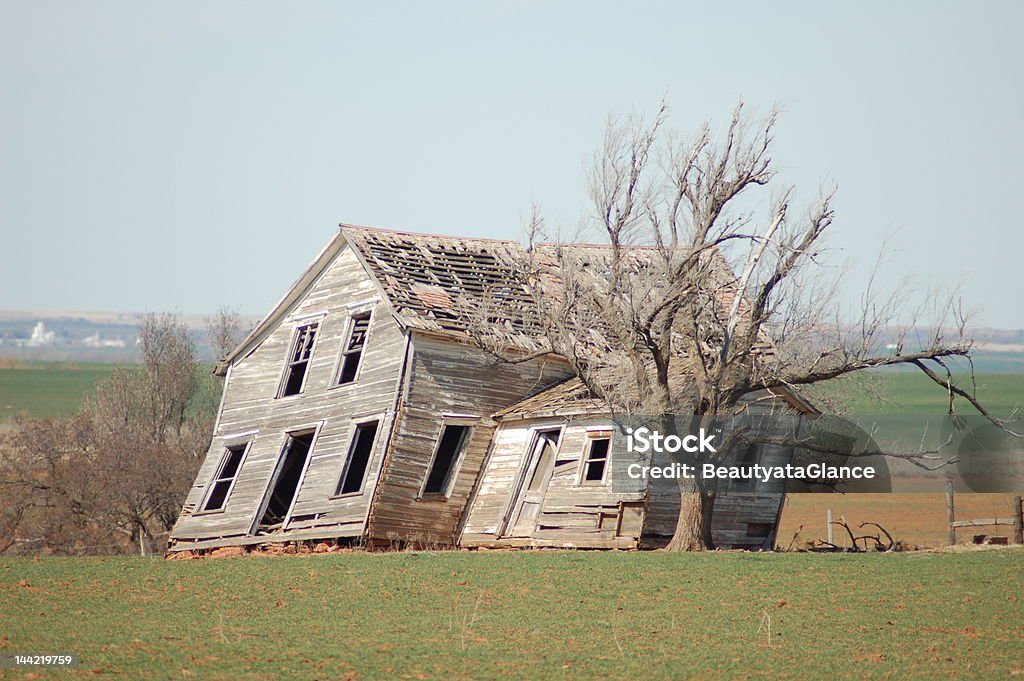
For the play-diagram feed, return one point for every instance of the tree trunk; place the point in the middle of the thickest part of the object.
(696, 501)
(693, 527)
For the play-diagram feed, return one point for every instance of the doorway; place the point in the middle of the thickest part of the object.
(284, 485)
(533, 484)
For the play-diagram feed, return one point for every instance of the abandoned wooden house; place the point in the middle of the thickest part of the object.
(359, 409)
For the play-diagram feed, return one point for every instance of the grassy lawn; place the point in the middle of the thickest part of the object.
(540, 614)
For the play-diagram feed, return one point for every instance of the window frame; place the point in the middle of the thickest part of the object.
(353, 439)
(229, 445)
(346, 337)
(592, 436)
(292, 346)
(467, 422)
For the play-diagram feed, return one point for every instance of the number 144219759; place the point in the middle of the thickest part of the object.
(38, 660)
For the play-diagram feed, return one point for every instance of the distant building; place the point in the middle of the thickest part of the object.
(94, 341)
(40, 337)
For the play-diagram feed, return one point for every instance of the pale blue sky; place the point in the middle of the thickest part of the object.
(179, 156)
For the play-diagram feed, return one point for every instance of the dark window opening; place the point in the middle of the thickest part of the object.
(449, 449)
(597, 459)
(759, 530)
(221, 485)
(293, 461)
(298, 360)
(353, 352)
(358, 458)
(745, 462)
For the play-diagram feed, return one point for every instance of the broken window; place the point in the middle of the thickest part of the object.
(358, 458)
(745, 462)
(353, 348)
(221, 485)
(595, 459)
(286, 485)
(442, 471)
(298, 360)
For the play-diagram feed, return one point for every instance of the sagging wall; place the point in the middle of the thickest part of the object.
(573, 512)
(251, 411)
(453, 379)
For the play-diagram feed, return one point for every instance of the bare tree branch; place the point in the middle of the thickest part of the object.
(655, 319)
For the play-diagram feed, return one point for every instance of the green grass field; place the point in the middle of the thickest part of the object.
(531, 614)
(527, 614)
(914, 394)
(47, 389)
(56, 389)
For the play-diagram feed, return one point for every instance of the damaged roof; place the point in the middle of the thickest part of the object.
(439, 283)
(569, 397)
(443, 284)
(572, 397)
(429, 281)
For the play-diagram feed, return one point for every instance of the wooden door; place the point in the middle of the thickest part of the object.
(534, 483)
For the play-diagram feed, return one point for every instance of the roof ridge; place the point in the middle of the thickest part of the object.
(348, 226)
(448, 237)
(625, 247)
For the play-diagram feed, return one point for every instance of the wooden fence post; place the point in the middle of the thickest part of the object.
(1018, 522)
(950, 516)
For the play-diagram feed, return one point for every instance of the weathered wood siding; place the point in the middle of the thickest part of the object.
(619, 513)
(445, 377)
(250, 405)
(573, 513)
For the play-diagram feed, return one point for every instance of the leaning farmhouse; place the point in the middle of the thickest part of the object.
(359, 409)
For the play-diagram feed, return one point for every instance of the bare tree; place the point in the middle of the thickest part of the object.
(156, 395)
(691, 304)
(148, 442)
(115, 475)
(224, 330)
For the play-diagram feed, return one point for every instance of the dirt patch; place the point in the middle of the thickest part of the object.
(914, 519)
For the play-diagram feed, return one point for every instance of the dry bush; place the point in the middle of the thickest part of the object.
(112, 479)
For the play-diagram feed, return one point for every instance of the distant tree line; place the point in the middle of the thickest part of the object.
(112, 478)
